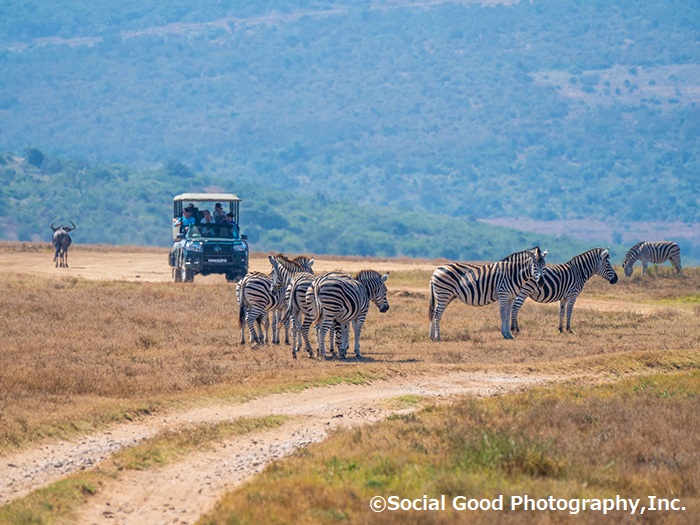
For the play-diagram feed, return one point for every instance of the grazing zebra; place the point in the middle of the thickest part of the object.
(61, 241)
(283, 271)
(564, 282)
(655, 252)
(479, 285)
(341, 299)
(256, 297)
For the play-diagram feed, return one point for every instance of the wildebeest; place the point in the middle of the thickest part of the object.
(61, 241)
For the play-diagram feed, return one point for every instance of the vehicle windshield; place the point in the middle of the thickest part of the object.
(218, 231)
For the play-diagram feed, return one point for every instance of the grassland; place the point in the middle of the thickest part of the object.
(78, 354)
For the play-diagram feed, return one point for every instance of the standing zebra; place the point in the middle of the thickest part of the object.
(340, 298)
(256, 297)
(564, 282)
(283, 271)
(655, 252)
(479, 285)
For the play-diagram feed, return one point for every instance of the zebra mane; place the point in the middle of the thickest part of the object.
(585, 255)
(299, 263)
(632, 254)
(369, 275)
(522, 256)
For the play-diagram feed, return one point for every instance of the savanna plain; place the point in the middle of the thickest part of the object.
(112, 343)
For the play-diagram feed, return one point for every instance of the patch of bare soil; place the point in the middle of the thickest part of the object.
(183, 491)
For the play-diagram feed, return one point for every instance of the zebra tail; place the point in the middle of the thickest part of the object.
(319, 310)
(431, 307)
(241, 306)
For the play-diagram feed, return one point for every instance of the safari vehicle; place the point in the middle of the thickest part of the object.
(207, 248)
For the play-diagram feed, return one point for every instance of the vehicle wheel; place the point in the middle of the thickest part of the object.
(186, 276)
(177, 277)
(231, 277)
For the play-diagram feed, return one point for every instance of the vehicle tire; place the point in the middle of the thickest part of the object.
(186, 276)
(177, 276)
(231, 277)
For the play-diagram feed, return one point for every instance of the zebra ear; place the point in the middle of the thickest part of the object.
(385, 277)
(272, 260)
(311, 262)
(605, 253)
(544, 253)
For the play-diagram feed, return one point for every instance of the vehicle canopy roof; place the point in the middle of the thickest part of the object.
(213, 197)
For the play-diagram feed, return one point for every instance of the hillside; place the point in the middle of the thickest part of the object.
(116, 205)
(550, 111)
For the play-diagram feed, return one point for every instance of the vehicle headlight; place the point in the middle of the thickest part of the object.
(239, 247)
(193, 246)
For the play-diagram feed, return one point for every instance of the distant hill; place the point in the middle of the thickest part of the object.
(116, 205)
(555, 110)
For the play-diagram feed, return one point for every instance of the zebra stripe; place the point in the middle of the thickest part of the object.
(655, 252)
(256, 297)
(283, 271)
(479, 285)
(564, 282)
(342, 299)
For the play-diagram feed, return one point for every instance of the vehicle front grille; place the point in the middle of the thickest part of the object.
(214, 249)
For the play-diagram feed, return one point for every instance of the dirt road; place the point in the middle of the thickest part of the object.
(181, 492)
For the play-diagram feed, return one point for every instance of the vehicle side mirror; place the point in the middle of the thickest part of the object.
(244, 237)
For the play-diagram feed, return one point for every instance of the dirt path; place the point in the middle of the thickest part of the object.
(183, 491)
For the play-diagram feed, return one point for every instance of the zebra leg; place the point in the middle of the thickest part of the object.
(506, 307)
(357, 325)
(569, 310)
(644, 267)
(250, 320)
(275, 328)
(265, 322)
(323, 328)
(514, 315)
(435, 322)
(286, 332)
(305, 326)
(562, 309)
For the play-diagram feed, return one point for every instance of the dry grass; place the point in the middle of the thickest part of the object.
(78, 353)
(635, 438)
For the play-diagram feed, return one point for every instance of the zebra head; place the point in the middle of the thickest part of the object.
(374, 283)
(631, 258)
(538, 263)
(605, 269)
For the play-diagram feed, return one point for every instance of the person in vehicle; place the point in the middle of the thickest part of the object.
(219, 213)
(186, 220)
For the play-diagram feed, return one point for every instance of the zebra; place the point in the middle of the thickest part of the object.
(340, 298)
(564, 282)
(283, 271)
(301, 308)
(482, 284)
(256, 297)
(655, 252)
(61, 241)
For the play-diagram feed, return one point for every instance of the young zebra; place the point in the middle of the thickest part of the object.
(564, 282)
(283, 271)
(340, 298)
(479, 285)
(256, 297)
(655, 252)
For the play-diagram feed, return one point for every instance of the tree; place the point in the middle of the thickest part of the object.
(34, 157)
